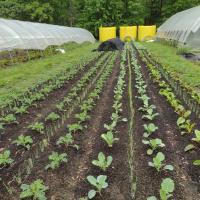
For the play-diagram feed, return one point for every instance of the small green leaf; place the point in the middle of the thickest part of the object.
(189, 147)
(91, 194)
(196, 162)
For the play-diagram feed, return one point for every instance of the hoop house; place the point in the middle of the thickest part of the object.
(183, 27)
(16, 34)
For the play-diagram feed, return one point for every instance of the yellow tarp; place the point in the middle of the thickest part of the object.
(128, 33)
(146, 32)
(106, 33)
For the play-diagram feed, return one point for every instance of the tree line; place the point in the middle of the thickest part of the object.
(91, 14)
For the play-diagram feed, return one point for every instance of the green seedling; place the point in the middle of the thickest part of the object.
(67, 140)
(185, 124)
(102, 162)
(154, 144)
(150, 115)
(82, 117)
(149, 129)
(24, 141)
(52, 117)
(109, 138)
(20, 110)
(158, 163)
(38, 127)
(166, 190)
(35, 190)
(5, 159)
(73, 128)
(99, 183)
(56, 160)
(9, 119)
(196, 139)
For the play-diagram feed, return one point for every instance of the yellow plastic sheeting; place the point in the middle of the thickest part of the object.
(146, 32)
(128, 33)
(106, 33)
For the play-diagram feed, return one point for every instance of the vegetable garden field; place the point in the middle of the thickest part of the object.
(114, 126)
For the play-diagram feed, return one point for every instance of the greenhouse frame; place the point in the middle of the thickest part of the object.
(16, 34)
(183, 27)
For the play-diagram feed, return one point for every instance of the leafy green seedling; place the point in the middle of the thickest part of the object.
(73, 128)
(197, 136)
(158, 163)
(9, 119)
(99, 183)
(67, 140)
(52, 117)
(56, 160)
(38, 127)
(102, 162)
(109, 138)
(150, 115)
(5, 159)
(35, 190)
(82, 117)
(154, 144)
(149, 129)
(185, 124)
(24, 141)
(166, 190)
(20, 110)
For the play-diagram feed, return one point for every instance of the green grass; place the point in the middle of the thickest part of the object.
(188, 71)
(17, 79)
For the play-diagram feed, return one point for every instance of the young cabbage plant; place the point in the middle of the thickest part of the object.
(52, 117)
(147, 107)
(99, 183)
(185, 124)
(20, 110)
(24, 141)
(196, 139)
(9, 119)
(154, 145)
(150, 115)
(109, 138)
(149, 129)
(5, 159)
(67, 140)
(38, 127)
(102, 162)
(56, 160)
(158, 163)
(82, 117)
(35, 190)
(73, 128)
(166, 190)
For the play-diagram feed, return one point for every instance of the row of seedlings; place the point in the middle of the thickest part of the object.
(183, 90)
(186, 126)
(39, 92)
(56, 159)
(49, 126)
(149, 113)
(103, 162)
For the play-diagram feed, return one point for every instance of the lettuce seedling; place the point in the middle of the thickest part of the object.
(56, 160)
(150, 115)
(24, 141)
(73, 128)
(166, 190)
(197, 136)
(185, 124)
(52, 117)
(5, 159)
(149, 129)
(38, 127)
(158, 163)
(82, 117)
(102, 162)
(9, 119)
(20, 110)
(154, 144)
(109, 138)
(99, 183)
(35, 190)
(67, 140)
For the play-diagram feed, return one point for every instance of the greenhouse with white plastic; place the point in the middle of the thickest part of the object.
(183, 27)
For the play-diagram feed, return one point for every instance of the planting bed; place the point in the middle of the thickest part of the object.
(112, 129)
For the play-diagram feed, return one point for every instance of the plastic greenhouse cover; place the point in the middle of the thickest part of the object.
(16, 34)
(183, 27)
